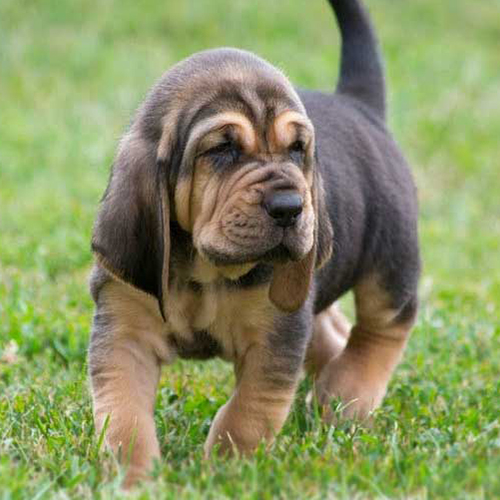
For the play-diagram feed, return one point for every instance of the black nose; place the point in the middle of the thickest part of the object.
(284, 207)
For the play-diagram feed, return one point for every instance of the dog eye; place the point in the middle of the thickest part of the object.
(225, 153)
(223, 147)
(297, 151)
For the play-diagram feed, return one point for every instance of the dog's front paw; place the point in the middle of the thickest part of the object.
(359, 385)
(135, 475)
(232, 432)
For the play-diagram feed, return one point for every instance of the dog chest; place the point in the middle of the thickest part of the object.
(216, 320)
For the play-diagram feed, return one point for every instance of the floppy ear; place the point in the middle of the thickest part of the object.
(131, 237)
(323, 226)
(291, 281)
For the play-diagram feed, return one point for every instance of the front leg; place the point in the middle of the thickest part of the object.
(267, 375)
(124, 366)
(360, 375)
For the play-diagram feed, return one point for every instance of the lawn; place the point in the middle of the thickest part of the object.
(71, 75)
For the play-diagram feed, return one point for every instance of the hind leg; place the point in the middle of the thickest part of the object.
(360, 374)
(330, 335)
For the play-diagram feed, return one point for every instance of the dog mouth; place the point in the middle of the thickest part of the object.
(279, 253)
(261, 243)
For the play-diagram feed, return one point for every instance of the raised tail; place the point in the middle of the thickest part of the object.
(361, 68)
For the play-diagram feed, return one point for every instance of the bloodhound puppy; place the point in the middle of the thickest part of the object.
(238, 211)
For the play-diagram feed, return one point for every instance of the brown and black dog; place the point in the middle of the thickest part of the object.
(237, 212)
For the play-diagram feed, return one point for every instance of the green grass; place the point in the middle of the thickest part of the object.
(72, 74)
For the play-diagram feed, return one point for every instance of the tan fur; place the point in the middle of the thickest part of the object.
(226, 214)
(205, 272)
(285, 131)
(256, 411)
(124, 387)
(165, 209)
(204, 195)
(243, 317)
(235, 318)
(169, 122)
(207, 133)
(359, 376)
(182, 203)
(231, 218)
(330, 335)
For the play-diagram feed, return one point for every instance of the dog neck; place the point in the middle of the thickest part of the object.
(190, 269)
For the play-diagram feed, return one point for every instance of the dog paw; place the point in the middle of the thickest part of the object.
(237, 430)
(359, 386)
(133, 476)
(227, 437)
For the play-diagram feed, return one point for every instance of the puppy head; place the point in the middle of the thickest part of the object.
(222, 145)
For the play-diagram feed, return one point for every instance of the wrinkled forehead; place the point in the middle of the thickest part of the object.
(222, 82)
(237, 82)
(259, 102)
